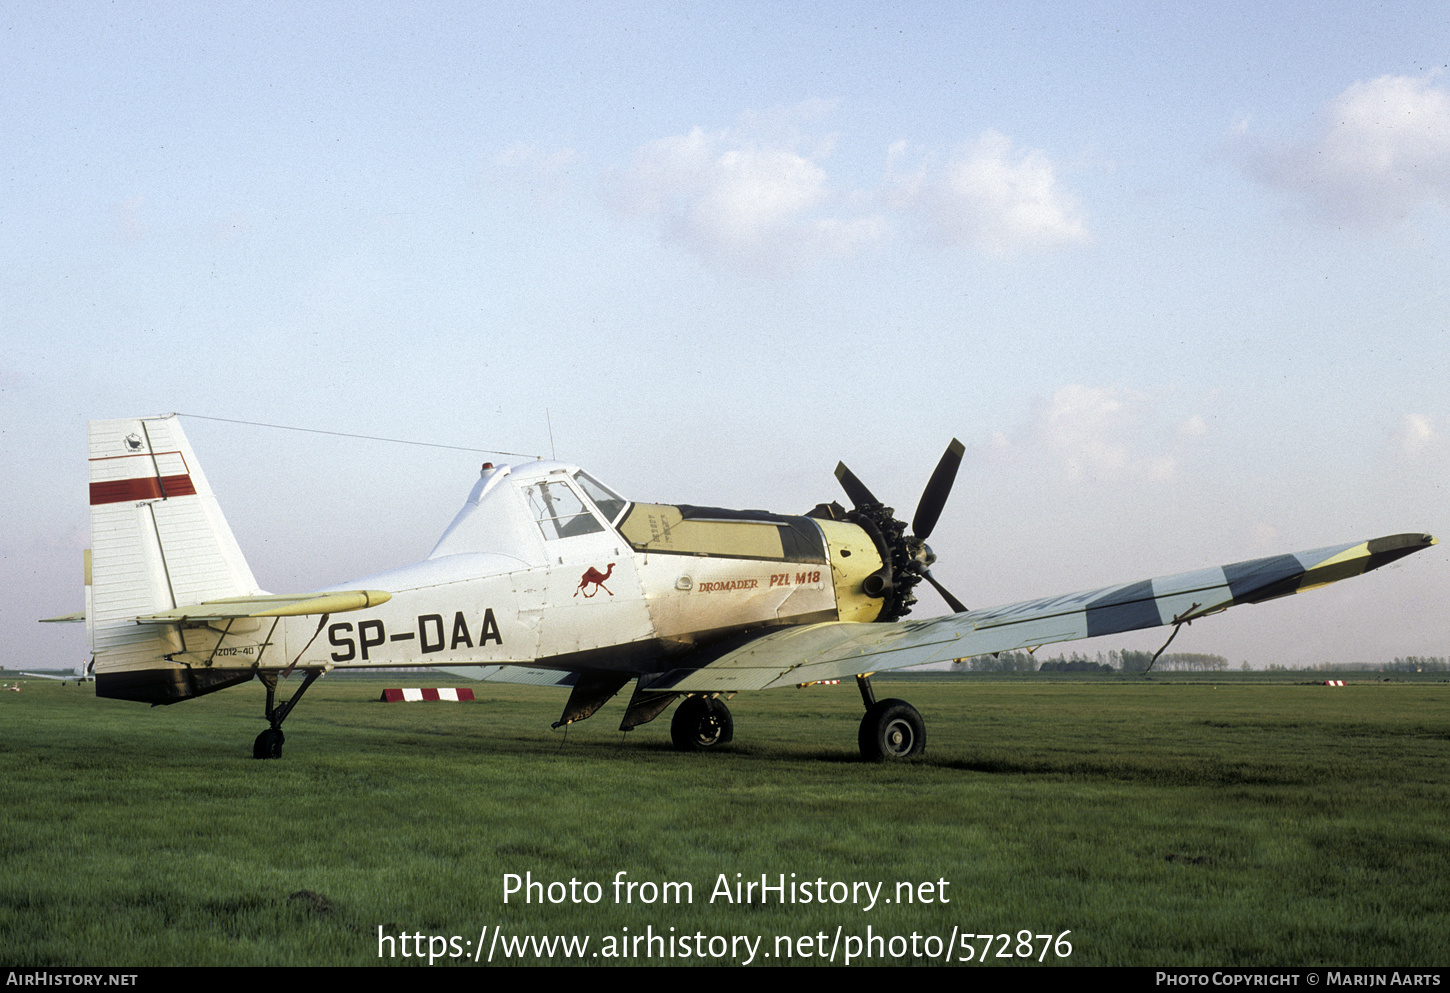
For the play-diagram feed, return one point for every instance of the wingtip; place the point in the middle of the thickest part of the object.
(1392, 547)
(1410, 541)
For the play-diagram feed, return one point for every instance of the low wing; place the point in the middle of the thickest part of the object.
(526, 675)
(791, 656)
(269, 605)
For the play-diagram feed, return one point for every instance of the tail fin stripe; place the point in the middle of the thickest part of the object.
(145, 488)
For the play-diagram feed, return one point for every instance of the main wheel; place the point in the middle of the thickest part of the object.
(700, 724)
(268, 744)
(890, 731)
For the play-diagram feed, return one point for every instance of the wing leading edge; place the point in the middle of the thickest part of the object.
(790, 656)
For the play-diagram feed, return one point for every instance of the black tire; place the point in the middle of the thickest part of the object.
(701, 724)
(268, 744)
(891, 731)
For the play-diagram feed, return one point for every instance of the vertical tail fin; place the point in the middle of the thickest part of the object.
(158, 540)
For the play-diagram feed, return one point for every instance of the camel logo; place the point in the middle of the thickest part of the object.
(133, 442)
(596, 579)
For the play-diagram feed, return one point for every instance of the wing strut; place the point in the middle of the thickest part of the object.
(1184, 618)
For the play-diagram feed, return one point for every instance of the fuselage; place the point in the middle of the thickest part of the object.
(545, 566)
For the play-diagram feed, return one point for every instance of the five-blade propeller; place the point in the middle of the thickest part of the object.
(914, 555)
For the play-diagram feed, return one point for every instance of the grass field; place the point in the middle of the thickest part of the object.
(1180, 820)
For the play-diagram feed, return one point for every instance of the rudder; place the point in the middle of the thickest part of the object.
(158, 540)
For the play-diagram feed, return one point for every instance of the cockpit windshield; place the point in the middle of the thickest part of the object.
(610, 503)
(558, 511)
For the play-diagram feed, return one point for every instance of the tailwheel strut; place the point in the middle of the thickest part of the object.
(269, 743)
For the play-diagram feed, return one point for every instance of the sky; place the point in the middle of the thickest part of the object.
(1174, 274)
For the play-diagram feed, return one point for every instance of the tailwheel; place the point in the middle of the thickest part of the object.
(701, 724)
(268, 744)
(892, 730)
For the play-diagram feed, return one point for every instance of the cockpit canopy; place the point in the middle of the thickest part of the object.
(522, 511)
(519, 511)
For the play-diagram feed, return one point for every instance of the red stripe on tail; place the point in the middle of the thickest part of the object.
(144, 488)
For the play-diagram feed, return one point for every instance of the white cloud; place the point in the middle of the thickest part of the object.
(763, 203)
(1087, 427)
(759, 194)
(1382, 150)
(991, 197)
(544, 175)
(1194, 427)
(1417, 435)
(1098, 433)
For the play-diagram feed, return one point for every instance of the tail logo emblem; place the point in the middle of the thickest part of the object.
(133, 442)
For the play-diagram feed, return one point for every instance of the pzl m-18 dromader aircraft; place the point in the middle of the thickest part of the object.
(547, 576)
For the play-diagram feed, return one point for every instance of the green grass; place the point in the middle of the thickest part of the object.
(1181, 820)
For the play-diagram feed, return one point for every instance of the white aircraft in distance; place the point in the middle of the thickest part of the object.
(547, 576)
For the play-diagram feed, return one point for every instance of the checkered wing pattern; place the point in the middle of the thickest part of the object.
(790, 656)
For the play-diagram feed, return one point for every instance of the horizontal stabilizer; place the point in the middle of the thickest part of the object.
(269, 605)
(76, 618)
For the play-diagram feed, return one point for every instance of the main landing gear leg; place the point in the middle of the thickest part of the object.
(700, 724)
(269, 743)
(891, 730)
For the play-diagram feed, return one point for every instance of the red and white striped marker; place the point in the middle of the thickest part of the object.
(442, 693)
(1334, 682)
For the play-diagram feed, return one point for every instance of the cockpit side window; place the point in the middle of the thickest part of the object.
(610, 503)
(558, 510)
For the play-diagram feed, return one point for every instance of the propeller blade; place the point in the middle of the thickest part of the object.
(952, 601)
(934, 497)
(855, 489)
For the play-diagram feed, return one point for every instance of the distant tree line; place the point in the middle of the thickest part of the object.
(1074, 664)
(1131, 661)
(1406, 663)
(1115, 661)
(1417, 663)
(1189, 661)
